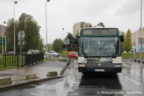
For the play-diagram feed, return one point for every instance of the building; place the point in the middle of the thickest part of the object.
(78, 26)
(2, 30)
(136, 40)
(2, 33)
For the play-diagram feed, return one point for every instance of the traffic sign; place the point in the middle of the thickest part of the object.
(21, 35)
(66, 41)
(20, 43)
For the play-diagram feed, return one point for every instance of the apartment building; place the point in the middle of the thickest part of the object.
(78, 26)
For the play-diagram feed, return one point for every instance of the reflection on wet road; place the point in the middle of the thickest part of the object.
(127, 83)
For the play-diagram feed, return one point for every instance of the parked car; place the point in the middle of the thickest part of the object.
(33, 52)
(73, 55)
(54, 54)
(51, 54)
(47, 54)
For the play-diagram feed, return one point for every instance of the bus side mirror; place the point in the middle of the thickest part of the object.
(122, 38)
(77, 38)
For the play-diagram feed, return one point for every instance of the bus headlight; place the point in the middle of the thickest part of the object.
(82, 60)
(81, 65)
(117, 65)
(117, 60)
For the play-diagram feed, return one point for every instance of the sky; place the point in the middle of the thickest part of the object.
(123, 14)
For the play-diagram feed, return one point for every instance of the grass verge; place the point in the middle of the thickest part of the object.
(51, 59)
(64, 54)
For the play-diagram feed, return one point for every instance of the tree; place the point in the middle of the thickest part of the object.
(101, 24)
(50, 46)
(73, 42)
(10, 34)
(32, 38)
(0, 44)
(57, 45)
(128, 44)
(71, 39)
(41, 45)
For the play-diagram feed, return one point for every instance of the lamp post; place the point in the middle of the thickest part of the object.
(15, 2)
(2, 44)
(63, 32)
(5, 38)
(141, 29)
(46, 22)
(67, 42)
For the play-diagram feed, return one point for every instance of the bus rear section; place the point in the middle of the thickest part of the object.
(100, 50)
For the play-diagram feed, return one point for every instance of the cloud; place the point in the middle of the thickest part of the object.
(64, 13)
(128, 7)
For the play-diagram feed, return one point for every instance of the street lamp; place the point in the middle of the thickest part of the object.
(63, 33)
(5, 38)
(141, 28)
(15, 2)
(46, 22)
(2, 44)
(67, 41)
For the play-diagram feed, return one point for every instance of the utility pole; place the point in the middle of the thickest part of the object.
(2, 45)
(5, 39)
(67, 42)
(5, 44)
(141, 30)
(15, 2)
(63, 33)
(46, 22)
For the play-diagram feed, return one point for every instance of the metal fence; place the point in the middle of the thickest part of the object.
(17, 60)
(34, 58)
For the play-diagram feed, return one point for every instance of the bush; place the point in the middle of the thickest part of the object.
(125, 55)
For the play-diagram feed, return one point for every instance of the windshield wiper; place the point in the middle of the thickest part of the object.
(105, 52)
(83, 51)
(115, 48)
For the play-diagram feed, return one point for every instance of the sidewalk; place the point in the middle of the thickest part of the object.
(41, 70)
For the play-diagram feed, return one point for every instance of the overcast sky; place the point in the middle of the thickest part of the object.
(124, 14)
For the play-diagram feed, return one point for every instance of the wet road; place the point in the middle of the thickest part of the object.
(128, 83)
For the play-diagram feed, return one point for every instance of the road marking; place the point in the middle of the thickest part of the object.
(132, 80)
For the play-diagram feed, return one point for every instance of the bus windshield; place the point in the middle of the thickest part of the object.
(98, 46)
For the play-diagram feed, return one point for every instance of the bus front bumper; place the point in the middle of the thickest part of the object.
(85, 70)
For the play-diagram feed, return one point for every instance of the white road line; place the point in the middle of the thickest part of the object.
(132, 80)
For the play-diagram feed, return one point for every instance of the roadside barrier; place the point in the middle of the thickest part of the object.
(16, 60)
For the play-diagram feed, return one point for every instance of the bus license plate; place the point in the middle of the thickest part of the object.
(99, 70)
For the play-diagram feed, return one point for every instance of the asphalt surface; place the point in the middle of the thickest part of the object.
(18, 75)
(128, 83)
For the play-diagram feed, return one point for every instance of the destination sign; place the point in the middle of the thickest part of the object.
(99, 32)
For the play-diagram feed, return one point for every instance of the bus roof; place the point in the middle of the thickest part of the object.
(99, 28)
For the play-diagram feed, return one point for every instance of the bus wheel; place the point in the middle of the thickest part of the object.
(114, 74)
(84, 73)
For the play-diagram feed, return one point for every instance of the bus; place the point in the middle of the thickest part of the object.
(99, 50)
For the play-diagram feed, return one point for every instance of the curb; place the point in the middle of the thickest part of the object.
(8, 87)
(5, 80)
(64, 69)
(34, 81)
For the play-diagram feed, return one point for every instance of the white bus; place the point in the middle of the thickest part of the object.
(100, 50)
